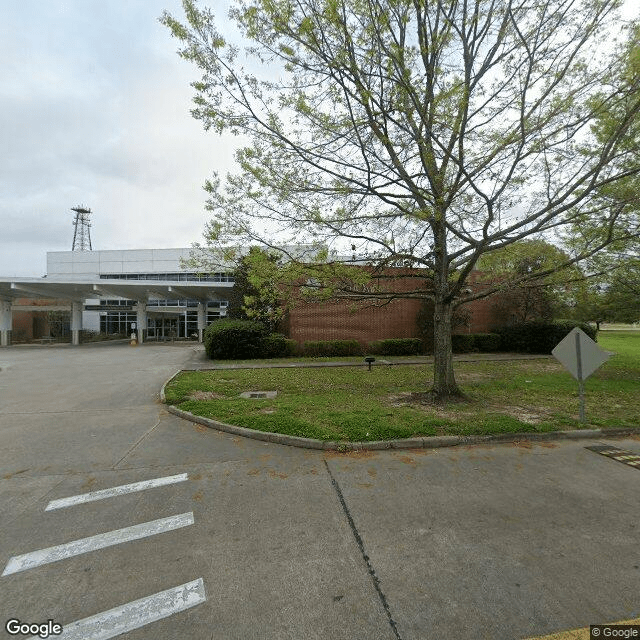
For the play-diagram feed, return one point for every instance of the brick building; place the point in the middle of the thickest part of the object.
(366, 321)
(149, 291)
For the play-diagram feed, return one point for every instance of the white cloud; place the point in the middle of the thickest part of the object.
(94, 109)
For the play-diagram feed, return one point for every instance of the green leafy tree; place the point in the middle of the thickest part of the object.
(617, 266)
(589, 305)
(612, 294)
(255, 294)
(424, 133)
(621, 299)
(524, 295)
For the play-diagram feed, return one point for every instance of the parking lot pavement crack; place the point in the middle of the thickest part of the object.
(29, 505)
(144, 435)
(360, 543)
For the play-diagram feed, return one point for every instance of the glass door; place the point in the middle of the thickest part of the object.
(170, 327)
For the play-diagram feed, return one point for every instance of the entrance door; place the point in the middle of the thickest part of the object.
(170, 327)
(161, 328)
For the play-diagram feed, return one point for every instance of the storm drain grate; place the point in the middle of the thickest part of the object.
(253, 395)
(621, 455)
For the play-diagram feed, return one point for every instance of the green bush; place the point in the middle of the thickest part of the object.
(396, 347)
(486, 342)
(234, 339)
(539, 337)
(320, 348)
(462, 343)
(277, 345)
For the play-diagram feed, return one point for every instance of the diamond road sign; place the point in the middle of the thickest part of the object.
(580, 354)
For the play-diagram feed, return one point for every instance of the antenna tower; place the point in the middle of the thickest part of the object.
(81, 233)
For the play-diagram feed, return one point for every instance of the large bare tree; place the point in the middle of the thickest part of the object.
(420, 132)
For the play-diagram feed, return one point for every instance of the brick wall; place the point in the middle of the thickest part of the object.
(364, 322)
(31, 325)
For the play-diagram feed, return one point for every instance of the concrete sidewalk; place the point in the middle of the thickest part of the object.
(202, 363)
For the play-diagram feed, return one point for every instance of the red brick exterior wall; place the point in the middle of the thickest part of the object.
(339, 321)
(31, 325)
(343, 320)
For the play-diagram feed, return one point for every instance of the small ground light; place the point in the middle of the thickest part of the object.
(369, 360)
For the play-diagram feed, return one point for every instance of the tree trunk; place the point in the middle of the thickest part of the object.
(444, 388)
(444, 381)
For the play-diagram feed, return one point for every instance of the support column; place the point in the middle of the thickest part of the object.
(202, 321)
(141, 322)
(76, 322)
(5, 323)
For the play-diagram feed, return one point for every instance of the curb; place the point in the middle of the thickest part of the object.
(378, 363)
(163, 398)
(423, 442)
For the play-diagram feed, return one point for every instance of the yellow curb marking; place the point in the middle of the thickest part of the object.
(578, 634)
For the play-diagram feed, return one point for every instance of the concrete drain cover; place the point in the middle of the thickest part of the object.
(259, 395)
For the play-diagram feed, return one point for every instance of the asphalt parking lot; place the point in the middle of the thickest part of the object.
(236, 538)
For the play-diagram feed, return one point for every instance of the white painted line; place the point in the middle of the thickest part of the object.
(115, 491)
(136, 614)
(102, 540)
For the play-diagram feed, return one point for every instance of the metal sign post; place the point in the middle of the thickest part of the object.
(581, 356)
(580, 378)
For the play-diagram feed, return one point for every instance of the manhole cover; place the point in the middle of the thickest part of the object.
(258, 395)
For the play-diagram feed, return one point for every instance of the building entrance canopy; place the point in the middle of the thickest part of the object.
(139, 290)
(76, 291)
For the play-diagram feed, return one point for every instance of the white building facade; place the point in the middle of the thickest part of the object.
(146, 291)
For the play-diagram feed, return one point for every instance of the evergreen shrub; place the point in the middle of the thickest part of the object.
(486, 342)
(539, 337)
(319, 348)
(462, 343)
(277, 345)
(234, 339)
(396, 347)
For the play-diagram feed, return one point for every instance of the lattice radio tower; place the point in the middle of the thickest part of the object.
(82, 226)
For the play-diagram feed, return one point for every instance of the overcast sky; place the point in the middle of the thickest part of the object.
(94, 110)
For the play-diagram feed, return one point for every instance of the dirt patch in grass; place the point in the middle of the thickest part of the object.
(204, 395)
(529, 415)
(420, 400)
(469, 376)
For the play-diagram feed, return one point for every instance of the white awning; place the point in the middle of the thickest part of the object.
(139, 290)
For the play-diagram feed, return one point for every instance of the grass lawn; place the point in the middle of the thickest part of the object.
(353, 404)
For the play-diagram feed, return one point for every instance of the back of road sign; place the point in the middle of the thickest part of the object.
(574, 351)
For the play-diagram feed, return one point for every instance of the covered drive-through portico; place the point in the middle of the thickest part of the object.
(145, 294)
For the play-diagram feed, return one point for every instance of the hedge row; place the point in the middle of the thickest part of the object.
(396, 347)
(320, 348)
(475, 342)
(526, 337)
(484, 342)
(538, 337)
(245, 339)
(278, 346)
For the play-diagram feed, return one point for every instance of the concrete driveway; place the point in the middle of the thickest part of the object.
(240, 539)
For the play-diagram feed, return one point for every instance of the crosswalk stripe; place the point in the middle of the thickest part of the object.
(115, 491)
(100, 541)
(136, 614)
